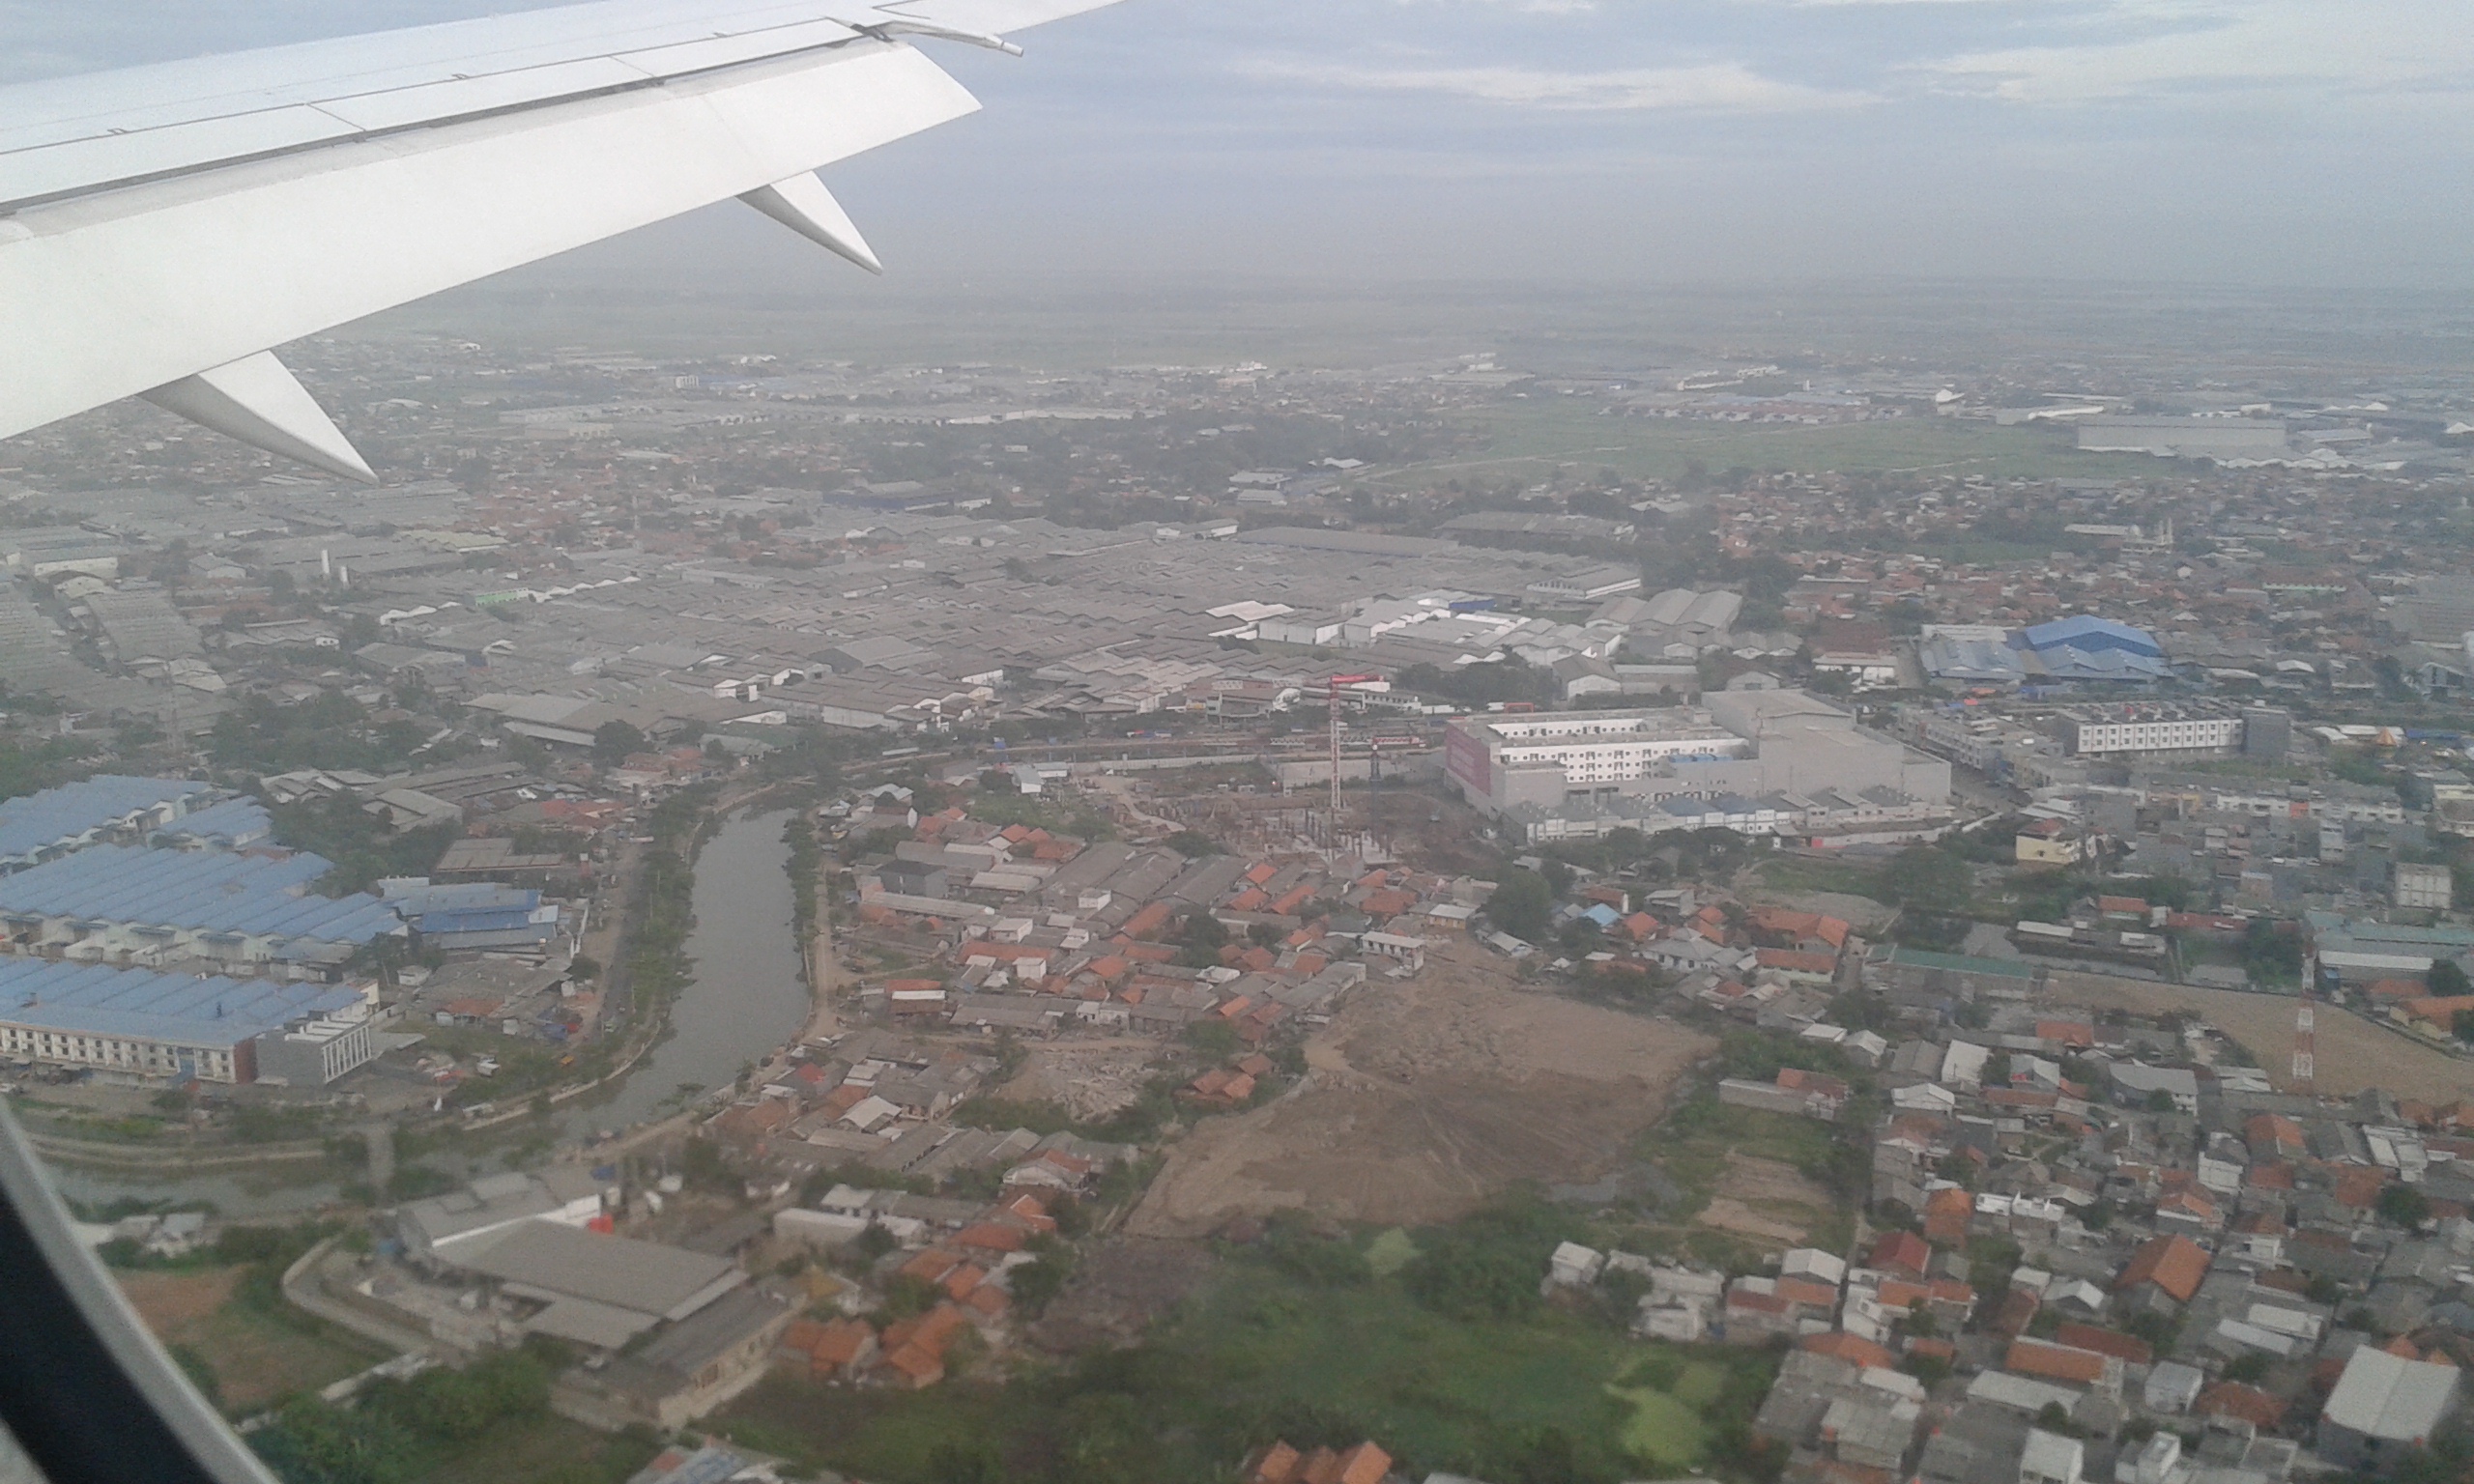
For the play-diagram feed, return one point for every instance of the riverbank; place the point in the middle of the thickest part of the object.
(726, 946)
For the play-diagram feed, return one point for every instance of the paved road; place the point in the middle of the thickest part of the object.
(302, 1289)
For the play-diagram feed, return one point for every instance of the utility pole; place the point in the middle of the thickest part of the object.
(1332, 688)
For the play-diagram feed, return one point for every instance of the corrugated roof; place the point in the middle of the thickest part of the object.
(616, 1270)
(91, 999)
(208, 891)
(232, 822)
(2390, 1397)
(56, 815)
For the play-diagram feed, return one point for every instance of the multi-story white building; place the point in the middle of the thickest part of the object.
(2151, 730)
(1603, 747)
(1758, 761)
(2424, 886)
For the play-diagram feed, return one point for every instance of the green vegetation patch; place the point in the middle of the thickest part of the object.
(1390, 1251)
(1802, 873)
(1663, 1429)
(1526, 439)
(1301, 1338)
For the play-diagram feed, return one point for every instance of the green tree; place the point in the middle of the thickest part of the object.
(614, 742)
(1200, 938)
(2272, 951)
(1521, 904)
(2402, 1205)
(1928, 876)
(1035, 1284)
(2446, 980)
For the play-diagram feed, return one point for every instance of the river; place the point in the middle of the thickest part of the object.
(746, 1001)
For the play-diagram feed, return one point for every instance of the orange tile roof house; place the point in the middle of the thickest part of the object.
(2061, 1363)
(841, 1348)
(2173, 1265)
(1809, 931)
(2232, 1399)
(2130, 1350)
(1280, 1464)
(1853, 1349)
(1900, 1252)
(1947, 1214)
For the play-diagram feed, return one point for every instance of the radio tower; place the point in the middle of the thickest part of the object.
(2302, 1048)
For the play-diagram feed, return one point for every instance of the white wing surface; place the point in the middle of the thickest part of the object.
(163, 228)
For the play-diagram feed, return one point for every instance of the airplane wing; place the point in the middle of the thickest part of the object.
(163, 228)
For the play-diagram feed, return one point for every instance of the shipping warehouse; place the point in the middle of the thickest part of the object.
(170, 1025)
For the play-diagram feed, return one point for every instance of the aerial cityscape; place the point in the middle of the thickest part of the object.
(1811, 897)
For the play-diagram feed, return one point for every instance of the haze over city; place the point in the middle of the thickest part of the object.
(1461, 742)
(1606, 141)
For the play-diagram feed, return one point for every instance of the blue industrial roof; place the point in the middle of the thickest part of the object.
(2069, 661)
(206, 891)
(230, 824)
(477, 906)
(1969, 659)
(2089, 633)
(91, 999)
(41, 819)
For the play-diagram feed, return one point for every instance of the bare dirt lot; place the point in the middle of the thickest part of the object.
(1118, 1290)
(1427, 1098)
(1765, 1199)
(2351, 1053)
(1088, 1079)
(257, 1357)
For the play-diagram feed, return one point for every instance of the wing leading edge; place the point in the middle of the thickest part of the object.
(163, 228)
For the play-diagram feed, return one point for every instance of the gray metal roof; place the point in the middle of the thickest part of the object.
(2387, 1396)
(568, 1262)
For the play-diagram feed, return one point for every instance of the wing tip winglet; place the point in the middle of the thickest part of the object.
(802, 204)
(259, 402)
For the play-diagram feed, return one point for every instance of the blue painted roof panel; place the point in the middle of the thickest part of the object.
(232, 822)
(2089, 633)
(94, 1000)
(39, 819)
(207, 892)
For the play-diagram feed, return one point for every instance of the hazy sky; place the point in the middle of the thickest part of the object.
(2257, 141)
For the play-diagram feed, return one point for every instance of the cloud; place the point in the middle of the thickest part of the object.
(1525, 7)
(2169, 47)
(1720, 87)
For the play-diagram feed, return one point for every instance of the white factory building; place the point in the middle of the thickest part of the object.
(1767, 762)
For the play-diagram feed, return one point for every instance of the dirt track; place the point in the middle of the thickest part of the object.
(2351, 1053)
(1427, 1098)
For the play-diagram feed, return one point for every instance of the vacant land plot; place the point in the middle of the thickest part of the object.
(1090, 1081)
(1804, 883)
(1119, 1290)
(2351, 1053)
(257, 1354)
(1528, 439)
(1765, 1200)
(1428, 1096)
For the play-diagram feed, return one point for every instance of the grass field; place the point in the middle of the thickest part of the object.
(1264, 1354)
(1530, 440)
(258, 1353)
(1669, 1427)
(547, 1447)
(1800, 873)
